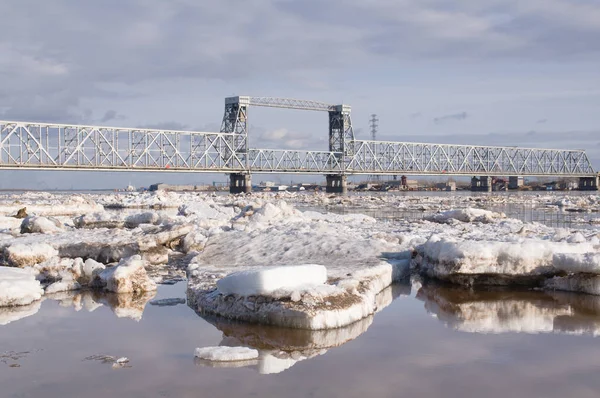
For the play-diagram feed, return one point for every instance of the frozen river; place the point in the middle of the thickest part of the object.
(491, 344)
(420, 295)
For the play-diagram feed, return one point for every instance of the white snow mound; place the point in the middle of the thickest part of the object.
(226, 354)
(266, 280)
(18, 287)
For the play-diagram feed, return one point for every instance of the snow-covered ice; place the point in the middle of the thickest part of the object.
(349, 298)
(18, 287)
(71, 240)
(466, 215)
(22, 255)
(129, 276)
(39, 224)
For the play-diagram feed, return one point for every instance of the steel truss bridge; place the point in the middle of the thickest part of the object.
(47, 146)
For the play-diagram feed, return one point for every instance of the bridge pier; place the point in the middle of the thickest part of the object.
(481, 184)
(336, 183)
(240, 183)
(588, 183)
(515, 182)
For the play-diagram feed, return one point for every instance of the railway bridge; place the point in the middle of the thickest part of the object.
(48, 146)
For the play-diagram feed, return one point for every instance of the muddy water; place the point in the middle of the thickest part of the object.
(426, 341)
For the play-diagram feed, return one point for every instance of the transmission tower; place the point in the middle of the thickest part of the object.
(374, 124)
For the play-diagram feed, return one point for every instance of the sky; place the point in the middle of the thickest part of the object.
(497, 72)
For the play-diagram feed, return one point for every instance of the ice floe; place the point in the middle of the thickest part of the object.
(347, 299)
(18, 287)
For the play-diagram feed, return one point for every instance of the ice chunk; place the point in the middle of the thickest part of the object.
(264, 281)
(577, 262)
(40, 224)
(226, 354)
(129, 276)
(194, 241)
(98, 220)
(91, 268)
(22, 255)
(466, 215)
(444, 256)
(18, 287)
(134, 220)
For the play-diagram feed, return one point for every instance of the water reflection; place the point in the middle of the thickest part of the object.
(502, 311)
(281, 348)
(12, 314)
(123, 305)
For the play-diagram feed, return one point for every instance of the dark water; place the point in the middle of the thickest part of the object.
(430, 341)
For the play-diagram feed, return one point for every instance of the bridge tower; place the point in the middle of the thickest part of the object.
(341, 142)
(235, 122)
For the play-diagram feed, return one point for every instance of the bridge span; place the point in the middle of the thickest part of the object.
(48, 146)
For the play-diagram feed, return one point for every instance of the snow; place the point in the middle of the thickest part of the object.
(18, 287)
(264, 281)
(226, 354)
(21, 255)
(129, 276)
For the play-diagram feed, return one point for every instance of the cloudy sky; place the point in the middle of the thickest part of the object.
(515, 72)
